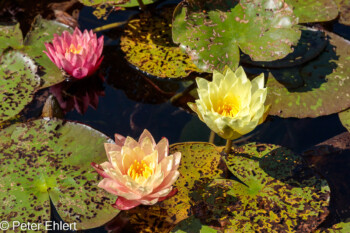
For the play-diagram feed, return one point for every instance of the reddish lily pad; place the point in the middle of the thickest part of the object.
(276, 191)
(325, 86)
(147, 45)
(344, 9)
(50, 159)
(199, 165)
(345, 119)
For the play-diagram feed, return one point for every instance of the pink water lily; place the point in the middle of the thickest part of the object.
(139, 172)
(78, 54)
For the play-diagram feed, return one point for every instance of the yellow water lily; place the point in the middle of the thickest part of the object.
(231, 105)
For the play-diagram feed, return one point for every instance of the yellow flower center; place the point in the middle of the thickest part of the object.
(73, 49)
(229, 106)
(137, 170)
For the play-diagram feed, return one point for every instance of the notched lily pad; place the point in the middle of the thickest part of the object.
(199, 164)
(49, 159)
(18, 83)
(10, 36)
(278, 192)
(310, 11)
(212, 32)
(42, 31)
(147, 44)
(345, 119)
(326, 84)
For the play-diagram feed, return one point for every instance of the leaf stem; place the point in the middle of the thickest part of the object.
(212, 137)
(142, 6)
(228, 146)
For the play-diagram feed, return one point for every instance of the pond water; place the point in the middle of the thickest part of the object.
(129, 101)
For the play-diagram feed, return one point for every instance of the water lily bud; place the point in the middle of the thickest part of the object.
(78, 54)
(231, 105)
(139, 172)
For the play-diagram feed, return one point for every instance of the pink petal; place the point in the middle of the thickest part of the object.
(67, 37)
(119, 139)
(168, 181)
(163, 149)
(80, 72)
(147, 134)
(99, 170)
(124, 204)
(67, 66)
(115, 188)
(99, 48)
(172, 193)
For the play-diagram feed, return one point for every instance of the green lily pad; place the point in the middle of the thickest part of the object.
(199, 164)
(10, 36)
(312, 42)
(342, 227)
(121, 3)
(147, 45)
(18, 83)
(275, 191)
(212, 32)
(50, 159)
(322, 85)
(345, 119)
(42, 31)
(344, 9)
(193, 225)
(309, 11)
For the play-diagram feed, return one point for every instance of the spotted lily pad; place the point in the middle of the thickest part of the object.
(322, 88)
(310, 11)
(42, 31)
(122, 3)
(345, 119)
(199, 165)
(193, 225)
(344, 9)
(276, 191)
(10, 36)
(212, 32)
(312, 42)
(18, 83)
(50, 159)
(147, 45)
(341, 227)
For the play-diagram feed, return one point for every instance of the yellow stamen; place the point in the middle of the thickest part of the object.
(229, 107)
(137, 170)
(73, 49)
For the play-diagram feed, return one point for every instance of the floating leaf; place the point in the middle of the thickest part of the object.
(342, 227)
(121, 3)
(50, 159)
(212, 32)
(345, 119)
(320, 87)
(18, 83)
(199, 163)
(148, 45)
(344, 8)
(10, 36)
(42, 31)
(278, 193)
(312, 42)
(193, 225)
(309, 11)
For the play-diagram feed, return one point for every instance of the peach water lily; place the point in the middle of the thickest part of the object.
(231, 105)
(139, 172)
(79, 54)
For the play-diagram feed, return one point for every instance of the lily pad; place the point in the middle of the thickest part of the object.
(341, 227)
(193, 225)
(323, 85)
(275, 191)
(50, 159)
(312, 42)
(42, 31)
(310, 11)
(345, 119)
(344, 9)
(10, 36)
(18, 83)
(212, 32)
(121, 3)
(147, 45)
(199, 164)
